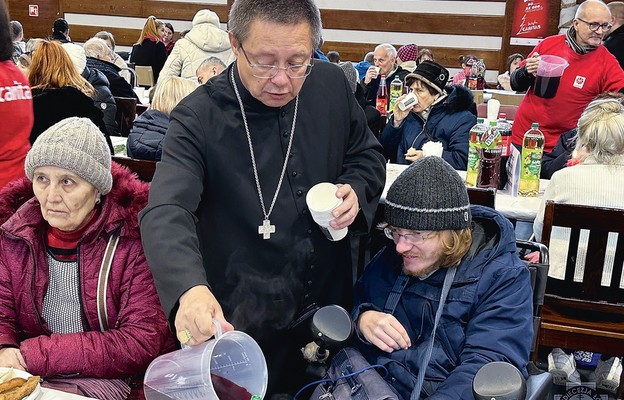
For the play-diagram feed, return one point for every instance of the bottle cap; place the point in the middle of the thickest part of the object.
(502, 115)
(535, 125)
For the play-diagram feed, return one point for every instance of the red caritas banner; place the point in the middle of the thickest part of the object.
(530, 22)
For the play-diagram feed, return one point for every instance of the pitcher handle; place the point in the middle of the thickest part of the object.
(218, 329)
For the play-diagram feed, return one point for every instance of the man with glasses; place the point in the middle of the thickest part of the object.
(227, 231)
(591, 71)
(614, 39)
(451, 262)
(385, 63)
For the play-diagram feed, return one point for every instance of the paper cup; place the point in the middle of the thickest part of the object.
(322, 200)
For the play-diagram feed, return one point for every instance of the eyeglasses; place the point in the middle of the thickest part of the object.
(412, 238)
(269, 71)
(594, 26)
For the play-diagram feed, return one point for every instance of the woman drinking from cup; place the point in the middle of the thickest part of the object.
(441, 114)
(76, 294)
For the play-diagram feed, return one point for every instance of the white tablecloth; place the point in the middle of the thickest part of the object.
(519, 208)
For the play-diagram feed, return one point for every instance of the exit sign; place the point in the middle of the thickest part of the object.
(33, 10)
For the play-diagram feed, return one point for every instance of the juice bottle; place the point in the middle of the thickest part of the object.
(504, 127)
(531, 161)
(489, 164)
(396, 90)
(382, 97)
(474, 152)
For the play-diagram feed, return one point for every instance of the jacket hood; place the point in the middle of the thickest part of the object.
(459, 98)
(207, 33)
(120, 207)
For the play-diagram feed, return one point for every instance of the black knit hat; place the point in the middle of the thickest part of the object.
(430, 196)
(430, 72)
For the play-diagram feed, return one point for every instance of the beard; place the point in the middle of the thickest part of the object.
(423, 272)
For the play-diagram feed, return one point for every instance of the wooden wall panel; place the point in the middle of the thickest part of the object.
(449, 24)
(40, 26)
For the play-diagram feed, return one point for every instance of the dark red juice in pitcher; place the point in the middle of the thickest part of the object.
(546, 87)
(228, 390)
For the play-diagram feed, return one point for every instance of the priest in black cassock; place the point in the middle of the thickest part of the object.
(227, 232)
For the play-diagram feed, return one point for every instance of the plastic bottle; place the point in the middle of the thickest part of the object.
(473, 78)
(531, 161)
(489, 164)
(480, 74)
(474, 152)
(382, 97)
(396, 90)
(504, 127)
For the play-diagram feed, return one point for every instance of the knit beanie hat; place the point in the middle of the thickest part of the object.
(429, 195)
(77, 55)
(351, 74)
(77, 145)
(431, 73)
(408, 52)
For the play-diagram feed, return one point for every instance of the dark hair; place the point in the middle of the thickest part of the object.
(333, 56)
(60, 26)
(422, 53)
(512, 57)
(168, 25)
(465, 59)
(6, 44)
(285, 12)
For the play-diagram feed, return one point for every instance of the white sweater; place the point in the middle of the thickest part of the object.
(589, 184)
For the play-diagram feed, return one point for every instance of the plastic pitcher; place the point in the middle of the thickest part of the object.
(549, 72)
(229, 367)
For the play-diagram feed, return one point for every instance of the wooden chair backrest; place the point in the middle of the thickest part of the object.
(143, 168)
(510, 110)
(599, 222)
(145, 75)
(126, 113)
(481, 196)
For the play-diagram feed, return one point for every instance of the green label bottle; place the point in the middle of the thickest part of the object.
(474, 152)
(396, 91)
(531, 162)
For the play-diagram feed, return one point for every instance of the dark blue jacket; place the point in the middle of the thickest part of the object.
(449, 123)
(147, 134)
(487, 316)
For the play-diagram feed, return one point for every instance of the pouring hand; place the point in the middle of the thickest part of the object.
(383, 330)
(532, 63)
(198, 308)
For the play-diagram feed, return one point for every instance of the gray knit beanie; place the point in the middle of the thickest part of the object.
(75, 144)
(430, 196)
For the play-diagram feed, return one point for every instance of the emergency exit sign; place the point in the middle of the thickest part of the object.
(33, 10)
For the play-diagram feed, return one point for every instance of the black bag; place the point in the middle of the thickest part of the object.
(365, 385)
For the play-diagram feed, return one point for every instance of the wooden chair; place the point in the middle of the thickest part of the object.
(482, 196)
(585, 315)
(145, 75)
(143, 168)
(126, 113)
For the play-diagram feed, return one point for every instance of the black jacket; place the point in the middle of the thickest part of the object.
(147, 134)
(119, 87)
(54, 105)
(150, 53)
(558, 158)
(103, 98)
(615, 44)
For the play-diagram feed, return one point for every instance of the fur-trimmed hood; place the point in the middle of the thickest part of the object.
(19, 209)
(459, 99)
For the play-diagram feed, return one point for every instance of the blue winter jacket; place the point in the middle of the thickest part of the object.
(487, 316)
(449, 122)
(147, 134)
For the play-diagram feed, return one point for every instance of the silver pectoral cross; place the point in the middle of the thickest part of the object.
(266, 229)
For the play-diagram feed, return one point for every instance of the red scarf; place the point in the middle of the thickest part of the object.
(64, 245)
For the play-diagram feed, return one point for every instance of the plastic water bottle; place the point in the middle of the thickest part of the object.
(474, 152)
(489, 165)
(480, 74)
(396, 90)
(504, 127)
(531, 161)
(382, 97)
(473, 78)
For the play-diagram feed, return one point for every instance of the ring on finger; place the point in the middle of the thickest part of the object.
(184, 336)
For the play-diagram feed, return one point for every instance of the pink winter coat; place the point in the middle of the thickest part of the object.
(138, 330)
